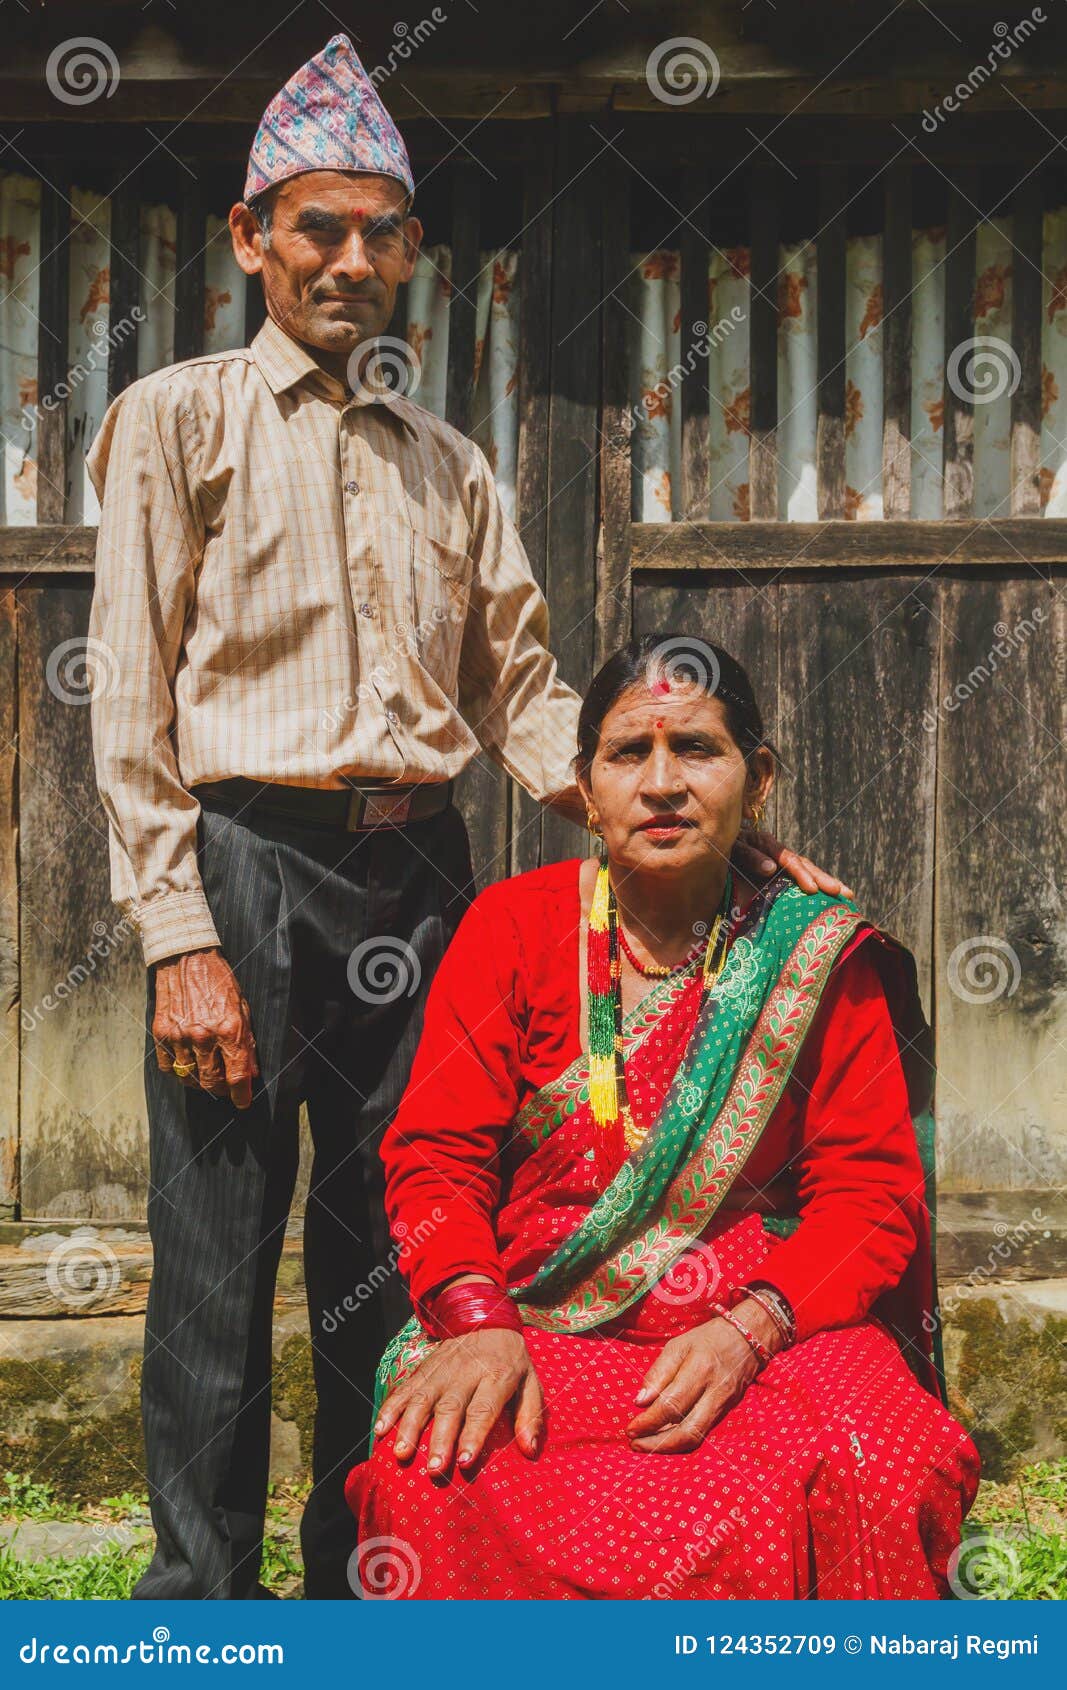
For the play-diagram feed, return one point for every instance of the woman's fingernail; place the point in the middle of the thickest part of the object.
(466, 1455)
(434, 1461)
(643, 1394)
(402, 1446)
(379, 1427)
(768, 865)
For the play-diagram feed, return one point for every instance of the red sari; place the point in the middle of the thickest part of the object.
(837, 1474)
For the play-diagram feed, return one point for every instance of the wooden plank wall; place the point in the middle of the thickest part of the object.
(949, 820)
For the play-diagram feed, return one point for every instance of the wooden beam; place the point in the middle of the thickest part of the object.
(830, 341)
(613, 611)
(125, 264)
(695, 306)
(960, 249)
(763, 344)
(53, 313)
(47, 547)
(1026, 270)
(531, 470)
(1015, 542)
(189, 273)
(896, 343)
(10, 951)
(463, 300)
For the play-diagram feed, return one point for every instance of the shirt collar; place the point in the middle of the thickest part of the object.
(284, 362)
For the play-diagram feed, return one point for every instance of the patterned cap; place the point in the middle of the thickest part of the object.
(327, 117)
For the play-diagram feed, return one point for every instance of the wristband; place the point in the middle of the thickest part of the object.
(774, 1304)
(468, 1308)
(758, 1349)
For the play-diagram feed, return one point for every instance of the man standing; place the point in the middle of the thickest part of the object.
(315, 612)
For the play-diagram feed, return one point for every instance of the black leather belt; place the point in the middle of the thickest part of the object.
(357, 808)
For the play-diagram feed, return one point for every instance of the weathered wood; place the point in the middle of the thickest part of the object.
(896, 342)
(730, 612)
(1001, 823)
(84, 1149)
(9, 908)
(984, 1236)
(1026, 269)
(960, 250)
(463, 298)
(572, 435)
(531, 470)
(82, 1272)
(123, 289)
(53, 307)
(694, 396)
(763, 345)
(859, 670)
(482, 790)
(46, 547)
(189, 273)
(613, 613)
(1017, 541)
(830, 341)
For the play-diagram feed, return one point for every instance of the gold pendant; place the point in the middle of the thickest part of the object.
(632, 1133)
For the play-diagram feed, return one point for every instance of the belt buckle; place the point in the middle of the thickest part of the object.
(376, 809)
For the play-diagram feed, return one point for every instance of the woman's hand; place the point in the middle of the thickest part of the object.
(697, 1377)
(463, 1387)
(762, 853)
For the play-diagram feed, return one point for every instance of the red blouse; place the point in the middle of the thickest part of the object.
(466, 1194)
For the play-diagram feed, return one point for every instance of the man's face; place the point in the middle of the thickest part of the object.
(338, 248)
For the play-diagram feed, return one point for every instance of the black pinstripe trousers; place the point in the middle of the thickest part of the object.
(334, 938)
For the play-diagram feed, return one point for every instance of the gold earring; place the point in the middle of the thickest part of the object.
(757, 816)
(592, 820)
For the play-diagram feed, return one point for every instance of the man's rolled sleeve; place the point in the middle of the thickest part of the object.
(151, 537)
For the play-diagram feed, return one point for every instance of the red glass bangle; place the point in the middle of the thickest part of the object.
(467, 1308)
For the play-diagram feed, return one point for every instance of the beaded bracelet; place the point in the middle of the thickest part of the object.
(774, 1304)
(758, 1349)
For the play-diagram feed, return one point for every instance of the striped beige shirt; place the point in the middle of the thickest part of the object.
(298, 584)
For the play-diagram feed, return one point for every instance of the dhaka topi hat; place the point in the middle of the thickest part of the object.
(327, 117)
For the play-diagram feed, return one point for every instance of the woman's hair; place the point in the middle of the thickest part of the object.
(658, 657)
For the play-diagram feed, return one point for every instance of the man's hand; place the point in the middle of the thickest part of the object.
(202, 1024)
(463, 1387)
(759, 854)
(696, 1378)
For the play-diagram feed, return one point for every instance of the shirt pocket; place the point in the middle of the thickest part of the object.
(440, 584)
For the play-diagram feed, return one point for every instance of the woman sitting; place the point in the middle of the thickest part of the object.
(634, 1372)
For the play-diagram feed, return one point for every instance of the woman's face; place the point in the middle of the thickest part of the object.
(668, 782)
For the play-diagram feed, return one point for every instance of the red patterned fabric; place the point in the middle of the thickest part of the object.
(837, 1474)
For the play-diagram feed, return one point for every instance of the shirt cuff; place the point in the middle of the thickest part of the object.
(175, 922)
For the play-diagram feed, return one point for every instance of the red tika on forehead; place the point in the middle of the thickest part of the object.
(661, 688)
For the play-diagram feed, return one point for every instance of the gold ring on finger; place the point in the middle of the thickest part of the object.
(184, 1068)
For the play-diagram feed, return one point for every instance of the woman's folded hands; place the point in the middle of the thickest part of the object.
(463, 1387)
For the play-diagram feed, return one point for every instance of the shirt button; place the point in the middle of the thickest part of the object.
(365, 610)
(351, 486)
(391, 716)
